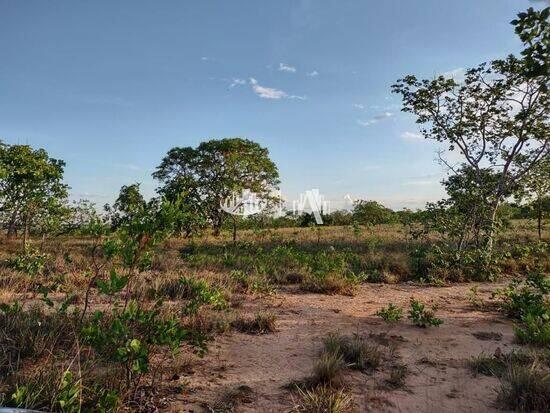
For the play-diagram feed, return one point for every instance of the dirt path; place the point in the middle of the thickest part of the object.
(438, 379)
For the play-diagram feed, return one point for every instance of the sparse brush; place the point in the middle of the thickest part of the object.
(328, 369)
(328, 284)
(323, 399)
(356, 351)
(422, 316)
(525, 388)
(260, 323)
(398, 374)
(391, 313)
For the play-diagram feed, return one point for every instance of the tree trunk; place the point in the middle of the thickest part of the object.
(12, 226)
(492, 229)
(234, 228)
(26, 231)
(539, 217)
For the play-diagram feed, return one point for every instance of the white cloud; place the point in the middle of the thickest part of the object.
(237, 82)
(375, 119)
(358, 106)
(205, 59)
(457, 74)
(266, 92)
(272, 93)
(297, 97)
(283, 67)
(412, 136)
(312, 74)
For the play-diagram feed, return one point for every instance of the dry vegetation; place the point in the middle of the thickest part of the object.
(283, 320)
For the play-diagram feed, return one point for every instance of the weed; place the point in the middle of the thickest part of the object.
(323, 399)
(423, 317)
(260, 323)
(327, 369)
(391, 313)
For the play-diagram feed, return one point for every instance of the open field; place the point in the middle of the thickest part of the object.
(267, 304)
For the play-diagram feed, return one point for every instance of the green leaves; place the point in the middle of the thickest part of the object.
(204, 176)
(422, 316)
(112, 286)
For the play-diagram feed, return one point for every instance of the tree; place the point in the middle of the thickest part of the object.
(536, 188)
(371, 213)
(129, 202)
(497, 119)
(31, 187)
(209, 174)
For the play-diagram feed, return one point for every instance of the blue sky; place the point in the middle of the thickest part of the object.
(110, 86)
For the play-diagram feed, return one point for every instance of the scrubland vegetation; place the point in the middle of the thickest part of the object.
(113, 310)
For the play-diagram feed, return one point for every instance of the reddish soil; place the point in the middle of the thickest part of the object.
(438, 378)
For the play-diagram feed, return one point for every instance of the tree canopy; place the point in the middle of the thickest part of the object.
(31, 188)
(210, 173)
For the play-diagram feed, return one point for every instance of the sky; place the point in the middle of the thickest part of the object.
(110, 86)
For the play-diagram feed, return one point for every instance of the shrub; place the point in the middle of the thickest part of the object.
(31, 261)
(534, 330)
(525, 388)
(526, 301)
(391, 313)
(261, 323)
(327, 369)
(423, 317)
(356, 351)
(328, 284)
(323, 399)
(200, 293)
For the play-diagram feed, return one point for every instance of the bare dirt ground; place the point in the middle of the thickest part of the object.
(438, 378)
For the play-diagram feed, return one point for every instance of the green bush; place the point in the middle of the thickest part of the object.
(391, 313)
(422, 316)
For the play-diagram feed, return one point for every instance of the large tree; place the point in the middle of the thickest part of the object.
(31, 188)
(212, 172)
(497, 118)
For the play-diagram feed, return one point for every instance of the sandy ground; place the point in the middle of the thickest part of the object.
(438, 379)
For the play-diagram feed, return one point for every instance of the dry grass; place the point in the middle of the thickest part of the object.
(259, 323)
(323, 399)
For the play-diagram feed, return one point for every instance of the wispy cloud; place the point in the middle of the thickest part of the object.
(271, 93)
(412, 136)
(236, 82)
(313, 73)
(266, 92)
(205, 59)
(457, 74)
(283, 67)
(358, 106)
(375, 119)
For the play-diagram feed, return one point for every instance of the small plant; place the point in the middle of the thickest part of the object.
(391, 313)
(398, 374)
(31, 261)
(534, 330)
(323, 399)
(525, 388)
(423, 317)
(526, 301)
(261, 323)
(356, 351)
(200, 293)
(328, 369)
